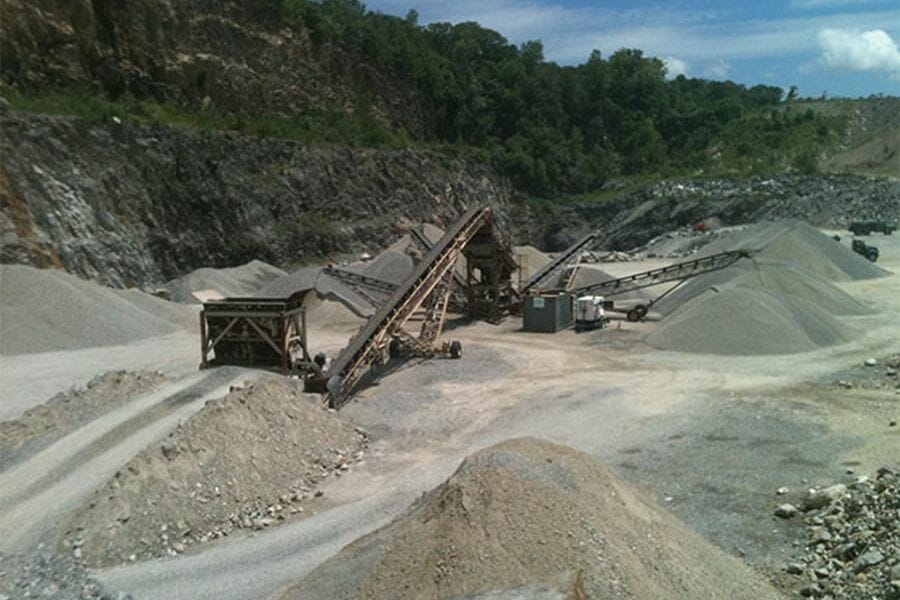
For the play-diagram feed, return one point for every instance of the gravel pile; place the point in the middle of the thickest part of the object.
(46, 575)
(239, 281)
(779, 301)
(530, 260)
(527, 515)
(65, 412)
(247, 461)
(774, 277)
(740, 320)
(799, 244)
(322, 286)
(873, 374)
(45, 310)
(854, 540)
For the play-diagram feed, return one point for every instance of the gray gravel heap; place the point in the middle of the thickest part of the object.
(854, 542)
(45, 575)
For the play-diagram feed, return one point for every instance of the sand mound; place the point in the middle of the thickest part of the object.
(779, 278)
(248, 460)
(44, 310)
(801, 245)
(530, 260)
(743, 320)
(592, 275)
(529, 517)
(239, 281)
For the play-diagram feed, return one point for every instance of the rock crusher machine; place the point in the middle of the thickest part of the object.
(412, 319)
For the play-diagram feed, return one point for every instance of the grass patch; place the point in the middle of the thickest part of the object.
(316, 124)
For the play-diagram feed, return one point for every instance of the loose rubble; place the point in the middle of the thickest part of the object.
(46, 575)
(65, 412)
(872, 374)
(853, 547)
(244, 462)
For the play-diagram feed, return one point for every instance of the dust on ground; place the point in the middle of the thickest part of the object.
(246, 461)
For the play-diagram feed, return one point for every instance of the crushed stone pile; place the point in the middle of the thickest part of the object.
(245, 461)
(774, 277)
(741, 320)
(527, 517)
(47, 575)
(235, 282)
(780, 301)
(44, 310)
(317, 287)
(800, 244)
(65, 412)
(592, 275)
(853, 548)
(530, 260)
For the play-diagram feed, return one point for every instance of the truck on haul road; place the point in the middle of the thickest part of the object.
(589, 313)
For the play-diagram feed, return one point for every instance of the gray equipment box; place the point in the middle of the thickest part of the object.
(547, 313)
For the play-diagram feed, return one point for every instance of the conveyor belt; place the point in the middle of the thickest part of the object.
(372, 289)
(558, 264)
(679, 271)
(368, 344)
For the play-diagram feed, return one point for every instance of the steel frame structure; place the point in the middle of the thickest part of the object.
(426, 295)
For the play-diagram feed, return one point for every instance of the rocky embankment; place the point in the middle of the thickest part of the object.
(633, 218)
(131, 205)
(224, 56)
(854, 539)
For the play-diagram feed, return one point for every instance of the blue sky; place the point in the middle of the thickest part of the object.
(845, 48)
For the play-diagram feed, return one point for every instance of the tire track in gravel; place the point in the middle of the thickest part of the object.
(36, 494)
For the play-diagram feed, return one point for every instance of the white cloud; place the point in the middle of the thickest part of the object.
(675, 67)
(820, 4)
(718, 70)
(849, 50)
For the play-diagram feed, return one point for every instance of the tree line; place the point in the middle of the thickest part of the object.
(553, 129)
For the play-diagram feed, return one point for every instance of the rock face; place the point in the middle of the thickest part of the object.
(231, 56)
(132, 205)
(633, 218)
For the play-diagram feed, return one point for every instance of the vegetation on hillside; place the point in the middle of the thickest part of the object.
(554, 130)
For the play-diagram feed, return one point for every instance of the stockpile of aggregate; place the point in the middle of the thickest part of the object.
(530, 519)
(778, 278)
(243, 280)
(318, 286)
(250, 460)
(779, 301)
(801, 245)
(45, 310)
(530, 260)
(737, 320)
(587, 275)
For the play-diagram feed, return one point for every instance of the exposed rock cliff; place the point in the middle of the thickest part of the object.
(130, 205)
(231, 56)
(634, 217)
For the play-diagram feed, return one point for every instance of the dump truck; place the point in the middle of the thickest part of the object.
(867, 227)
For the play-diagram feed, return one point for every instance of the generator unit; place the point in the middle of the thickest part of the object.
(589, 313)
